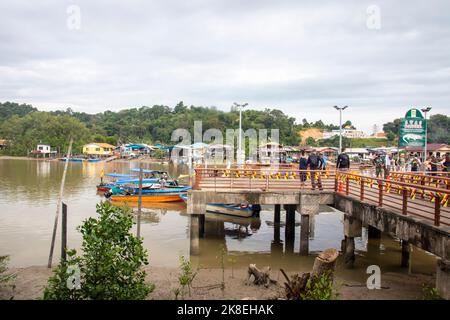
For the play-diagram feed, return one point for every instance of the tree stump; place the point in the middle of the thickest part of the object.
(261, 277)
(324, 263)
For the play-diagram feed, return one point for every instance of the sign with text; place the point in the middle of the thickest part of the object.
(412, 129)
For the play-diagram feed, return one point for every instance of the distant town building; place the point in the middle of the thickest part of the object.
(379, 135)
(346, 132)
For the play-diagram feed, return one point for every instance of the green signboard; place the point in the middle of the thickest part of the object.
(412, 129)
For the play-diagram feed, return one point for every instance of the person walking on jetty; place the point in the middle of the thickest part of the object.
(446, 163)
(343, 161)
(379, 164)
(415, 163)
(303, 165)
(315, 162)
(387, 165)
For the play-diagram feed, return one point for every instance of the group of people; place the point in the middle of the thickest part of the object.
(412, 162)
(317, 161)
(383, 163)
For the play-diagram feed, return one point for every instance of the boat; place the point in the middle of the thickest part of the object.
(94, 160)
(72, 159)
(148, 198)
(171, 194)
(238, 210)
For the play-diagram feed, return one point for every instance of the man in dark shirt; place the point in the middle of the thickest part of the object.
(343, 161)
(303, 165)
(315, 163)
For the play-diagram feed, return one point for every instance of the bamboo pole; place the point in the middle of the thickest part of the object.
(138, 233)
(64, 232)
(61, 190)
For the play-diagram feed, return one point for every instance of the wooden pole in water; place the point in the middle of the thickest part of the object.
(64, 232)
(138, 233)
(61, 190)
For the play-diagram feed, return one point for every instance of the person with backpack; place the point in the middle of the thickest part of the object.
(379, 164)
(315, 163)
(303, 165)
(343, 161)
(446, 163)
(415, 163)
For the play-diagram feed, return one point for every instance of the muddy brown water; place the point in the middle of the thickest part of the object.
(29, 192)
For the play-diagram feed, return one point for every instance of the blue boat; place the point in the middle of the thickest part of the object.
(72, 159)
(238, 210)
(94, 160)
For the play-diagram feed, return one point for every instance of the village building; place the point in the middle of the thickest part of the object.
(433, 149)
(98, 149)
(43, 150)
(3, 143)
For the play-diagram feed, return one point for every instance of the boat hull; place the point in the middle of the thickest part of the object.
(230, 210)
(148, 198)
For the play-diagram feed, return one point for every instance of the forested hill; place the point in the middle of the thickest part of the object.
(25, 126)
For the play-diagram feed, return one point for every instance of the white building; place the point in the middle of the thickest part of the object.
(43, 150)
(348, 133)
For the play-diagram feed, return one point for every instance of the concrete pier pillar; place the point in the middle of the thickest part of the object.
(443, 278)
(352, 227)
(373, 233)
(276, 247)
(290, 228)
(349, 251)
(276, 214)
(405, 254)
(304, 234)
(197, 229)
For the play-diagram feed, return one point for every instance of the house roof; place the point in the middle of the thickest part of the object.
(356, 150)
(102, 145)
(431, 147)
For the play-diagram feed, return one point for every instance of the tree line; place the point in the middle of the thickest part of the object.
(25, 126)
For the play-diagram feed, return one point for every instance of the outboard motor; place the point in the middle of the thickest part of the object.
(108, 194)
(256, 209)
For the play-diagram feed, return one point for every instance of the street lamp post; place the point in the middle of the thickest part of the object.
(239, 153)
(425, 111)
(340, 126)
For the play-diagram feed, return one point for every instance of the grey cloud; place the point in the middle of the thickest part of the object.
(299, 56)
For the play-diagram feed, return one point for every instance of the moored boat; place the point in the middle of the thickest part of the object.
(148, 198)
(238, 210)
(148, 195)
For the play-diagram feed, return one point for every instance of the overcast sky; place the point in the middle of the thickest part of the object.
(297, 56)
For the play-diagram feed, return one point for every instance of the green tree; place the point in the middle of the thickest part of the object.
(111, 264)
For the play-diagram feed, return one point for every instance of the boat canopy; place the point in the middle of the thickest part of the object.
(120, 175)
(148, 171)
(136, 181)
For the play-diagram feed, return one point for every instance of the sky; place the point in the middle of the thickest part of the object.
(379, 58)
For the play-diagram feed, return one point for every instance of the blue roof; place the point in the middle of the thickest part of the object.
(119, 175)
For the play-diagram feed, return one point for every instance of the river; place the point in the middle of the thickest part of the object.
(28, 197)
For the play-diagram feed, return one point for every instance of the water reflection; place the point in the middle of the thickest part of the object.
(29, 191)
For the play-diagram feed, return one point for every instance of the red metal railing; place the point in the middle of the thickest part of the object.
(416, 199)
(267, 179)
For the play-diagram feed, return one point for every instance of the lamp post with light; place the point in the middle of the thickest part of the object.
(240, 156)
(425, 111)
(340, 125)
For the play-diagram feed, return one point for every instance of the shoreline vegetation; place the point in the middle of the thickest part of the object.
(30, 283)
(23, 127)
(143, 160)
